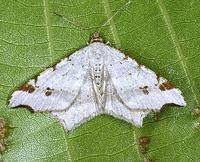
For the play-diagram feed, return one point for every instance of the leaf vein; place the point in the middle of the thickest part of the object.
(179, 50)
(48, 26)
(112, 23)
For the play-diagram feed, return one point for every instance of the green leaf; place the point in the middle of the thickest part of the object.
(163, 35)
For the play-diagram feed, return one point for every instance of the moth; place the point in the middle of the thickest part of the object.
(97, 79)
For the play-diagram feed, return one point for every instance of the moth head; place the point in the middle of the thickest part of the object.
(96, 38)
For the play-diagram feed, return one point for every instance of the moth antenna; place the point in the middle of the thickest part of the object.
(70, 21)
(111, 17)
(96, 36)
(104, 24)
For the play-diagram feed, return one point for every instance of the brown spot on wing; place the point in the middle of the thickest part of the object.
(145, 90)
(48, 91)
(27, 88)
(166, 86)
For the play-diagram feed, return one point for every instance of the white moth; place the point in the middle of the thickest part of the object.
(95, 80)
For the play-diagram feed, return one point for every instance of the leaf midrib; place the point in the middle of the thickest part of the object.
(48, 27)
(112, 23)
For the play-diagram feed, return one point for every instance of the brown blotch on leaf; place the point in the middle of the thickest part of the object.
(4, 129)
(27, 88)
(3, 132)
(2, 147)
(144, 140)
(2, 123)
(144, 144)
(166, 86)
(196, 111)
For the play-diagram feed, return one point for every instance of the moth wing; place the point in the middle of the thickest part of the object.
(116, 108)
(55, 88)
(82, 109)
(139, 87)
